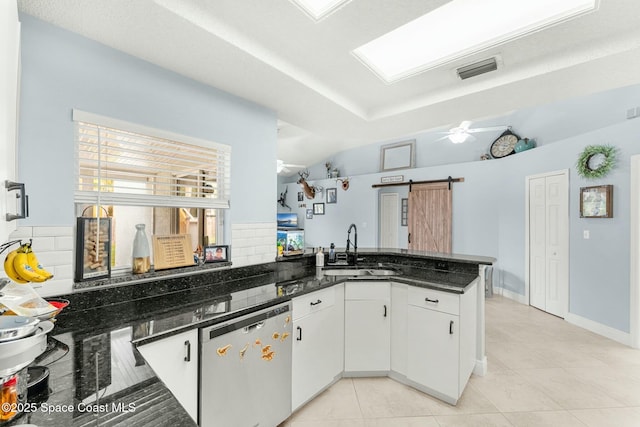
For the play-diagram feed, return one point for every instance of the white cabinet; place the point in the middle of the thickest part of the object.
(367, 328)
(318, 345)
(175, 362)
(9, 78)
(442, 341)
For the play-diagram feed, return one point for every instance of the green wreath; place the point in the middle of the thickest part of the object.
(582, 165)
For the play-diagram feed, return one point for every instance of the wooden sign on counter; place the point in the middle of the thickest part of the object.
(172, 251)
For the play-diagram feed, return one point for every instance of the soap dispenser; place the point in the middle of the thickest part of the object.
(332, 253)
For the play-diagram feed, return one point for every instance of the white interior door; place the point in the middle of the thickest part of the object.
(557, 259)
(537, 243)
(549, 243)
(389, 218)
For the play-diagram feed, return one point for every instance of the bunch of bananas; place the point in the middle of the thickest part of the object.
(22, 266)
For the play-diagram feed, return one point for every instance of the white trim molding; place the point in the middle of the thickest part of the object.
(599, 328)
(634, 251)
(522, 299)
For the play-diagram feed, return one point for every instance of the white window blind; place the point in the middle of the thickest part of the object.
(120, 163)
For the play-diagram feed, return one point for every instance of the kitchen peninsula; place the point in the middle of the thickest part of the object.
(96, 341)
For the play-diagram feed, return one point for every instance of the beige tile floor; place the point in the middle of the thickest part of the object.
(542, 372)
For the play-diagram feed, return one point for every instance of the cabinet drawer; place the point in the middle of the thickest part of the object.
(312, 302)
(436, 300)
(367, 291)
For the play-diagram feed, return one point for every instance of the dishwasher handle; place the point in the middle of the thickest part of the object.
(247, 323)
(248, 329)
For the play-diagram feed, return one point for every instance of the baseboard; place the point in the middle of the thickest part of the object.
(512, 295)
(480, 368)
(599, 328)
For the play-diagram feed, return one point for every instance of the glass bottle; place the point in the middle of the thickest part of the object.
(141, 254)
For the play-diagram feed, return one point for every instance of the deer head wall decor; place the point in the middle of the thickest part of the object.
(309, 190)
(344, 182)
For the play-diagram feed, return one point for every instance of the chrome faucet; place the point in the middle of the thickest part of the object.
(355, 243)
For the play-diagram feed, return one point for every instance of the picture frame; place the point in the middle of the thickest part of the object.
(318, 208)
(300, 196)
(309, 213)
(404, 214)
(400, 155)
(332, 195)
(216, 253)
(596, 201)
(93, 248)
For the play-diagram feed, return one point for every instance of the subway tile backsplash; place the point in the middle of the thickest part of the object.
(54, 247)
(253, 243)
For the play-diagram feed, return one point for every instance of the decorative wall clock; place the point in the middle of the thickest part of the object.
(504, 145)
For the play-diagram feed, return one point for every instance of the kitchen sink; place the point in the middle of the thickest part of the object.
(360, 272)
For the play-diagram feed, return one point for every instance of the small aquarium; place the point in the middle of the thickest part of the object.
(290, 242)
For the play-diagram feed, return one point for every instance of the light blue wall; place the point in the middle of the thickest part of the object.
(62, 71)
(489, 217)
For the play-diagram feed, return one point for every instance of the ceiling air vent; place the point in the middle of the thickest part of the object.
(477, 68)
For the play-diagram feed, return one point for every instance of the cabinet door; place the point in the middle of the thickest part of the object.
(9, 77)
(312, 368)
(432, 360)
(175, 362)
(318, 348)
(367, 335)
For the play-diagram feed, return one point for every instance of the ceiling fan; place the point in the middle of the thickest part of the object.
(463, 132)
(282, 167)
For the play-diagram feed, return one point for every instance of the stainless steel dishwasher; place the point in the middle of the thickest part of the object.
(245, 377)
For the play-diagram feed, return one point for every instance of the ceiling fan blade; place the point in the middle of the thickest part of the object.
(444, 137)
(465, 125)
(487, 129)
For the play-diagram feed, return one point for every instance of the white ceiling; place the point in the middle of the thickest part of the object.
(272, 53)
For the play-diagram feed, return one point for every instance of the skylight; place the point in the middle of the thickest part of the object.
(459, 28)
(319, 9)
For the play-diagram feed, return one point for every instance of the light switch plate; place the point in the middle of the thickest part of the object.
(585, 234)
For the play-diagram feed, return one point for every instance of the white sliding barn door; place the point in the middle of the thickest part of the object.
(549, 243)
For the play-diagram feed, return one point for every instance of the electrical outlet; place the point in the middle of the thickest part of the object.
(585, 234)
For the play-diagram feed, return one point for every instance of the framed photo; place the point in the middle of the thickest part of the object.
(300, 196)
(596, 202)
(318, 208)
(216, 253)
(93, 248)
(332, 195)
(404, 214)
(309, 213)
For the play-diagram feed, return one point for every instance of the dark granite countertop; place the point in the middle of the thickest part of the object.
(101, 331)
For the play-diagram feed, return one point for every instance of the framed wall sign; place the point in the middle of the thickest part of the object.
(318, 208)
(172, 251)
(596, 202)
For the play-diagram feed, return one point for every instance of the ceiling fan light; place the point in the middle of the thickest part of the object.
(458, 137)
(279, 166)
